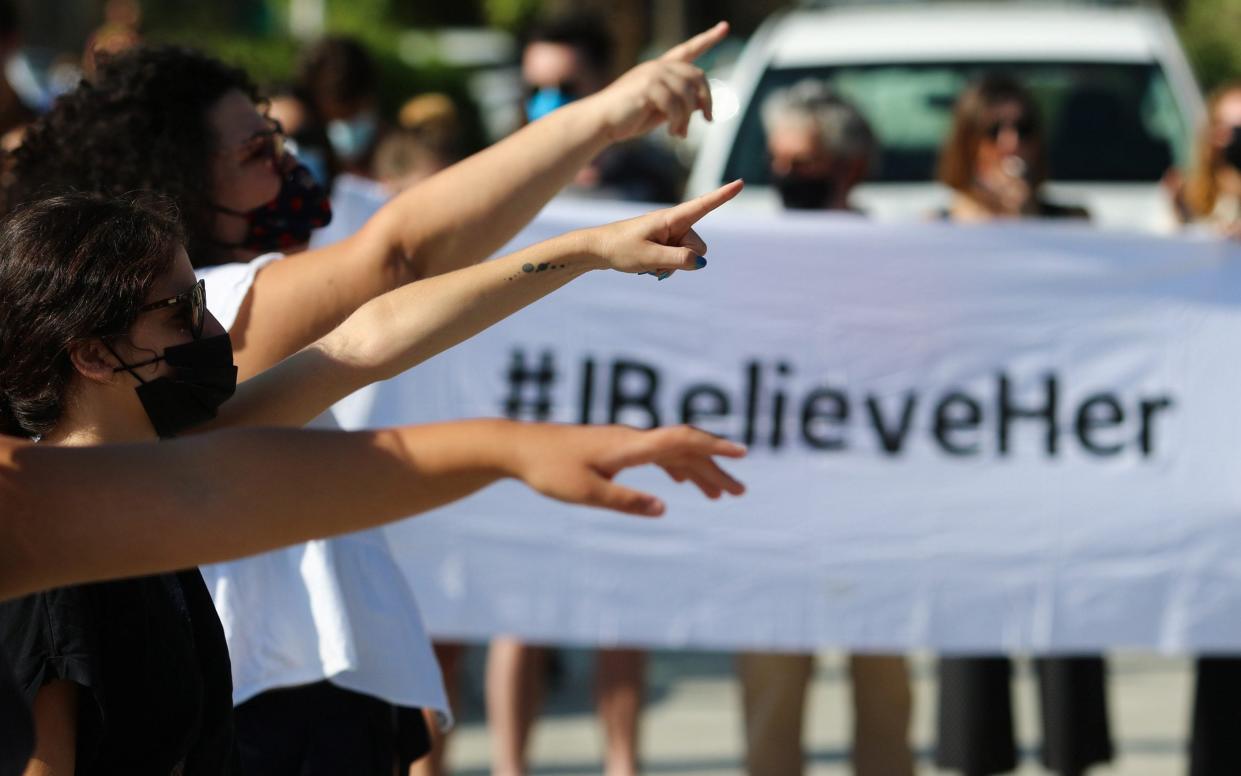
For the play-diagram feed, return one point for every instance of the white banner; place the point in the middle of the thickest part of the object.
(1009, 437)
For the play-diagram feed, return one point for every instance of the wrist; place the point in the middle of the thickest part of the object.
(504, 446)
(584, 250)
(595, 117)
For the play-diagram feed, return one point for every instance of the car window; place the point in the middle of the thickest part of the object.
(1103, 121)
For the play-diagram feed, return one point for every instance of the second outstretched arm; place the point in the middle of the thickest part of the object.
(71, 515)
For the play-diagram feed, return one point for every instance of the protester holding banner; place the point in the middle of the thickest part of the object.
(993, 159)
(1212, 193)
(820, 148)
(1211, 198)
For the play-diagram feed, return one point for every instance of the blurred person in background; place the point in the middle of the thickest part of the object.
(567, 58)
(182, 123)
(820, 148)
(1211, 199)
(16, 108)
(994, 161)
(1211, 196)
(993, 158)
(120, 31)
(427, 139)
(332, 111)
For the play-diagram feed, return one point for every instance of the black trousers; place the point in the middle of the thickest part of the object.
(976, 715)
(323, 730)
(1215, 740)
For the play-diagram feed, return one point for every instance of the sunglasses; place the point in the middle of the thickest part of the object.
(194, 299)
(1024, 127)
(264, 144)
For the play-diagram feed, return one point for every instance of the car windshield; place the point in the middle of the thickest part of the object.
(1103, 121)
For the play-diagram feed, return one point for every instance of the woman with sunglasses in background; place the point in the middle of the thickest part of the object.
(105, 337)
(1211, 196)
(994, 161)
(183, 124)
(993, 158)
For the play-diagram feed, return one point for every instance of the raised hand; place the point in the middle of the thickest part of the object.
(668, 89)
(576, 464)
(658, 242)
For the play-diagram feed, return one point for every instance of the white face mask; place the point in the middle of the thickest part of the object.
(350, 138)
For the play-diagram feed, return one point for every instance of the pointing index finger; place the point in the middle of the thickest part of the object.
(686, 214)
(698, 45)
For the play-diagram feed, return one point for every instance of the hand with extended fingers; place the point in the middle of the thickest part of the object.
(576, 464)
(668, 89)
(659, 242)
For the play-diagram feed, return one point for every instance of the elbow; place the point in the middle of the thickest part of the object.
(357, 351)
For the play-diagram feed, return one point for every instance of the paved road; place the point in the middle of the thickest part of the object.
(692, 724)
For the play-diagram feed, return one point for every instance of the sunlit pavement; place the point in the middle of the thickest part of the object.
(692, 725)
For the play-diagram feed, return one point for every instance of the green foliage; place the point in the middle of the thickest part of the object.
(269, 60)
(1211, 33)
(270, 55)
(511, 15)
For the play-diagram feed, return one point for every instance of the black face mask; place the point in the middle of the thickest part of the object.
(203, 377)
(804, 193)
(287, 221)
(1232, 151)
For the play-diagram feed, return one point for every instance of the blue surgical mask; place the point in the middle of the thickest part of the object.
(544, 101)
(351, 138)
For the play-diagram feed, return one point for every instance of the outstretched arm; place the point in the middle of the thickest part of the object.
(70, 515)
(466, 212)
(405, 327)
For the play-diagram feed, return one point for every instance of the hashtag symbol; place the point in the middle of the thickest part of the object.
(530, 390)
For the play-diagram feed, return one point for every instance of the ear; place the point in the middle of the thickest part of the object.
(92, 359)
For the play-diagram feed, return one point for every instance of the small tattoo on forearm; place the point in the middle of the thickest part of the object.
(531, 269)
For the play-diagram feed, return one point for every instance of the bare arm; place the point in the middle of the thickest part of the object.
(55, 724)
(70, 515)
(462, 214)
(403, 328)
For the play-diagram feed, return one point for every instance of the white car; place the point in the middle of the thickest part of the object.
(1118, 99)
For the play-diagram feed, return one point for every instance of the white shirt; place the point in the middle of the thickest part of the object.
(337, 609)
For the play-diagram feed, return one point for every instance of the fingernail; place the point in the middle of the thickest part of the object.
(699, 262)
(644, 273)
(665, 275)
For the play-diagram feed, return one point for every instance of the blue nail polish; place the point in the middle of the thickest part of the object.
(700, 262)
(665, 275)
(644, 273)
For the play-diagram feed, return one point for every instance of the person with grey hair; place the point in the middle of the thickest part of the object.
(820, 148)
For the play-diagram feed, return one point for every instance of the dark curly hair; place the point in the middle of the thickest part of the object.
(72, 267)
(140, 125)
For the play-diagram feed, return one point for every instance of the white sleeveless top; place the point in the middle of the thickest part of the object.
(336, 609)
